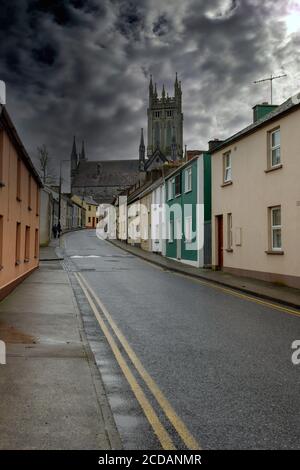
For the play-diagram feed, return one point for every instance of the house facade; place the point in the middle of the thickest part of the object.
(188, 207)
(256, 198)
(19, 208)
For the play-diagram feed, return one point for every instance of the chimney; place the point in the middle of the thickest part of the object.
(2, 93)
(212, 144)
(261, 110)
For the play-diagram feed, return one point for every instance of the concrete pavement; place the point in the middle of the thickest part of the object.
(52, 396)
(262, 289)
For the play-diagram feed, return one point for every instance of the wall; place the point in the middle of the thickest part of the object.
(24, 211)
(252, 192)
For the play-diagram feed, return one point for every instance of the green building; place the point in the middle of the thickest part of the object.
(188, 212)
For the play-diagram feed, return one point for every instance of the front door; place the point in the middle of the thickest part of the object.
(220, 241)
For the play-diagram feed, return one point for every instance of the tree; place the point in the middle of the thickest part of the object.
(44, 163)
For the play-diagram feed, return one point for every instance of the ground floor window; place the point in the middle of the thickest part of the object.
(276, 228)
(229, 231)
(171, 231)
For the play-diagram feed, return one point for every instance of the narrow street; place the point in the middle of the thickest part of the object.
(214, 367)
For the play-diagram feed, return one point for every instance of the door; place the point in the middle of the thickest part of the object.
(178, 238)
(94, 225)
(220, 241)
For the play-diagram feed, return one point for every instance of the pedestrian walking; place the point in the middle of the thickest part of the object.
(58, 229)
(54, 230)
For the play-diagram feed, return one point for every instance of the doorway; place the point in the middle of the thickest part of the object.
(219, 241)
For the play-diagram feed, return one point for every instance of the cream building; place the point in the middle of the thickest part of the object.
(256, 197)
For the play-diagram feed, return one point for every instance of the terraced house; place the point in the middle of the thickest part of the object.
(19, 208)
(256, 197)
(188, 212)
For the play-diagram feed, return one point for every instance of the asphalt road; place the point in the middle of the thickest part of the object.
(223, 363)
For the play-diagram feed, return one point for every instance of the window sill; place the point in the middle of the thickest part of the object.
(18, 199)
(226, 183)
(29, 208)
(2, 184)
(1, 267)
(274, 252)
(273, 168)
(188, 191)
(229, 250)
(18, 262)
(26, 260)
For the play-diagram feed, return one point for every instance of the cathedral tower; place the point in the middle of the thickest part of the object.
(165, 123)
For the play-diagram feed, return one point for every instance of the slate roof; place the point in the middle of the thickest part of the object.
(285, 108)
(104, 179)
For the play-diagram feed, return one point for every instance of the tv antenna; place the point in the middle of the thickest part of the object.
(270, 79)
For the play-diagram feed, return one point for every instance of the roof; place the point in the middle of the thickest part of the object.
(106, 173)
(90, 200)
(8, 125)
(285, 108)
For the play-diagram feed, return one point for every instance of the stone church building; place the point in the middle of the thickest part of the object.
(103, 180)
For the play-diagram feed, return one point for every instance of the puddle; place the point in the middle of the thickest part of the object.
(9, 334)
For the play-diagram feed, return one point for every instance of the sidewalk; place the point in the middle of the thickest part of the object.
(266, 290)
(52, 395)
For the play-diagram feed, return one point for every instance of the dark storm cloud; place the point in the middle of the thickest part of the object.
(82, 67)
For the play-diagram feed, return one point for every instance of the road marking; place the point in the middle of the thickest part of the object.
(290, 311)
(178, 424)
(152, 417)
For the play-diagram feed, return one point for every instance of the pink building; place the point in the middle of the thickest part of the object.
(19, 208)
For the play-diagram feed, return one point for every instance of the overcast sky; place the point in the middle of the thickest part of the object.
(82, 67)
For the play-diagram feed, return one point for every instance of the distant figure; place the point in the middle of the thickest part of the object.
(54, 230)
(58, 229)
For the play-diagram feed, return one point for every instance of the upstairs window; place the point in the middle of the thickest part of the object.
(19, 168)
(177, 185)
(29, 192)
(275, 153)
(188, 180)
(227, 173)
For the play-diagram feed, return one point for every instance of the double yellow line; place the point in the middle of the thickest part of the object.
(150, 413)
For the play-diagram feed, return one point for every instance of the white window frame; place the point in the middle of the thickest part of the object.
(188, 229)
(171, 191)
(275, 228)
(275, 147)
(188, 180)
(227, 167)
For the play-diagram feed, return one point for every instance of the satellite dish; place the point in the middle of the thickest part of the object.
(2, 93)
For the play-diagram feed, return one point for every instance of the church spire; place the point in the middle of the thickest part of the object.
(82, 154)
(74, 157)
(142, 152)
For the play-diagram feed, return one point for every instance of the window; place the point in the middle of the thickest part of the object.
(156, 114)
(18, 243)
(177, 185)
(276, 243)
(37, 202)
(90, 208)
(188, 229)
(1, 242)
(171, 231)
(89, 219)
(170, 189)
(275, 157)
(169, 113)
(227, 167)
(29, 192)
(229, 231)
(188, 180)
(36, 243)
(19, 167)
(27, 243)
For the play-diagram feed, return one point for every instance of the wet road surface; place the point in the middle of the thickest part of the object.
(221, 362)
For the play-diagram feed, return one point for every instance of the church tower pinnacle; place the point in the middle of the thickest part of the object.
(74, 158)
(142, 152)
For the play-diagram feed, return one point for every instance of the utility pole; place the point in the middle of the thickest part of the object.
(270, 79)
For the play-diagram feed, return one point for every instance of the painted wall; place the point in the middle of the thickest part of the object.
(252, 192)
(145, 218)
(15, 264)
